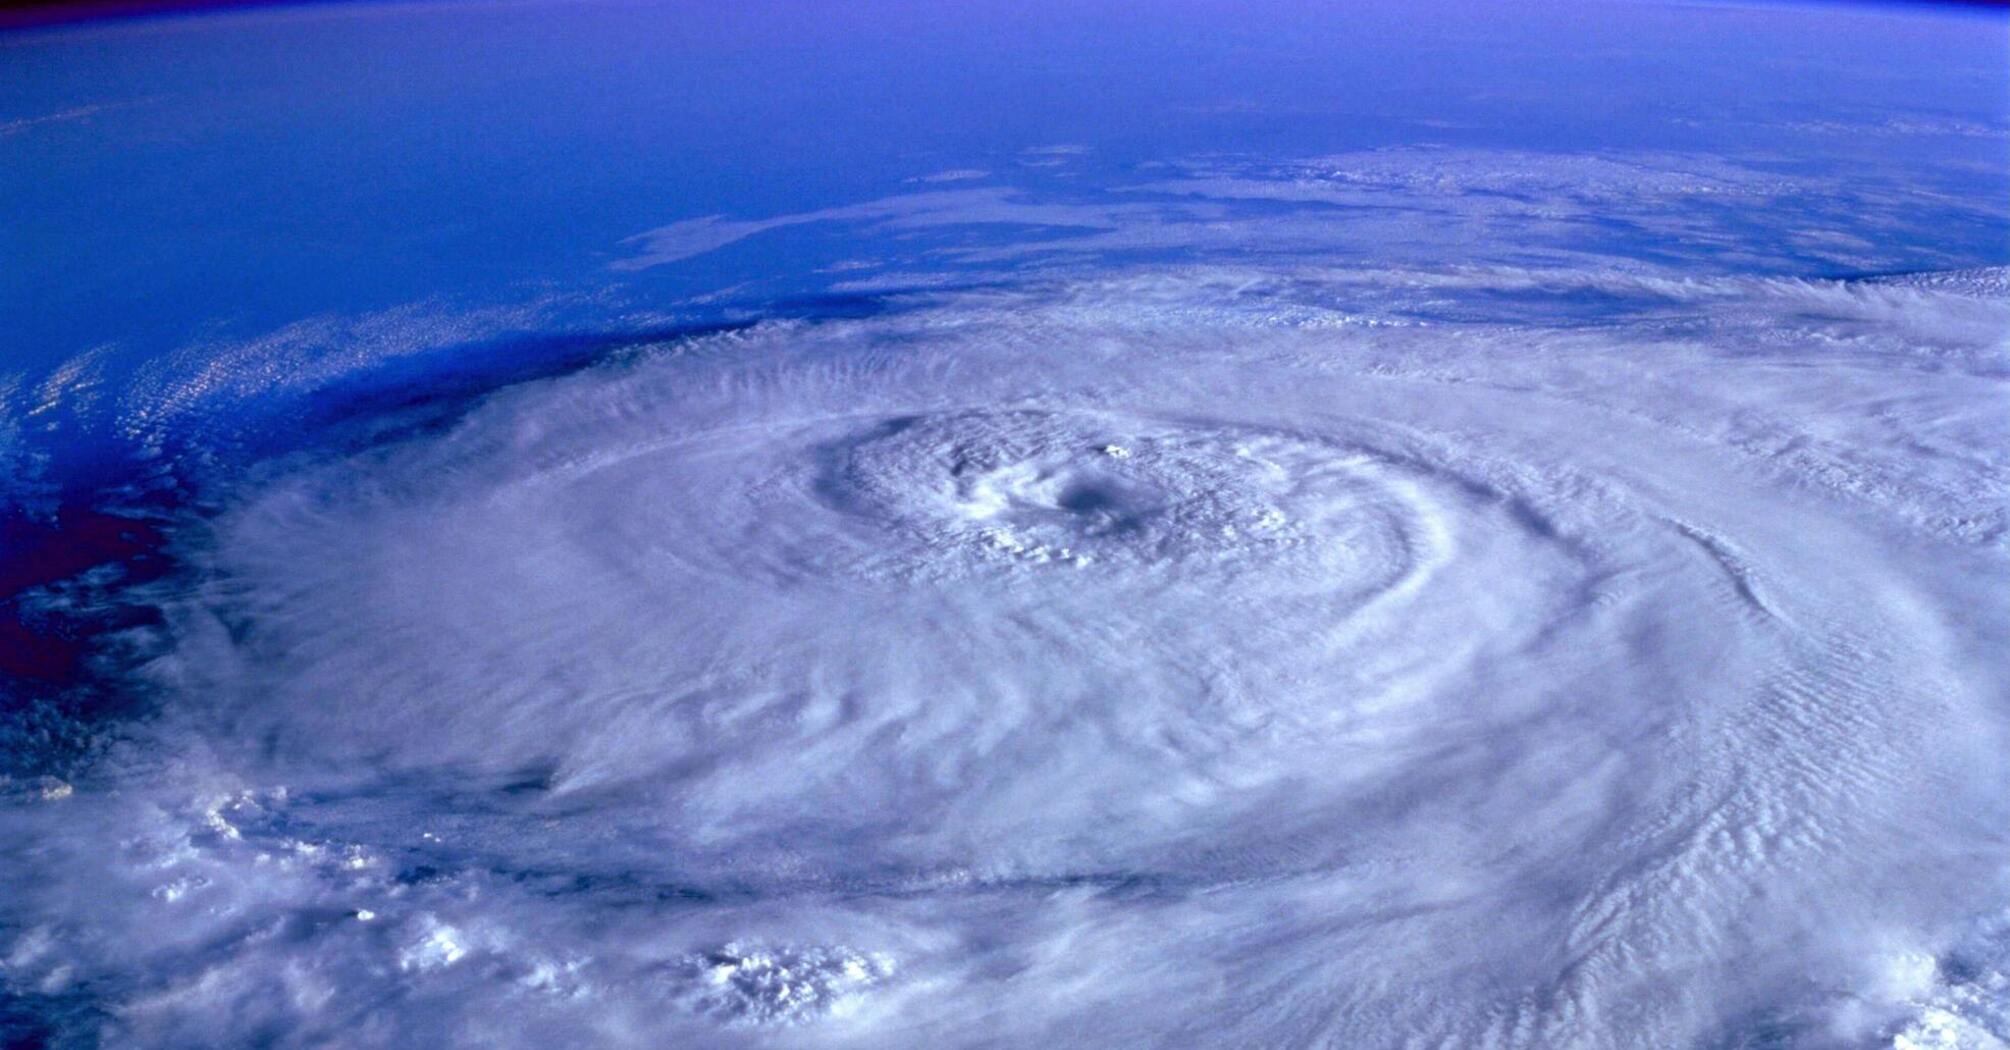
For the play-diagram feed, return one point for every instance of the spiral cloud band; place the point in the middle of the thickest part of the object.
(1066, 662)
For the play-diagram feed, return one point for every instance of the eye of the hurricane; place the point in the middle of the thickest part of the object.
(958, 492)
(1061, 495)
(1099, 499)
(1070, 496)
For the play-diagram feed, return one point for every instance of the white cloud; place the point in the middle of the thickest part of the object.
(1440, 661)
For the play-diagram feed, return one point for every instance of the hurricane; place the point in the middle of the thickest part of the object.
(1447, 624)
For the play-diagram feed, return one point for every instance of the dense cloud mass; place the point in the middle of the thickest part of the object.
(1197, 656)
